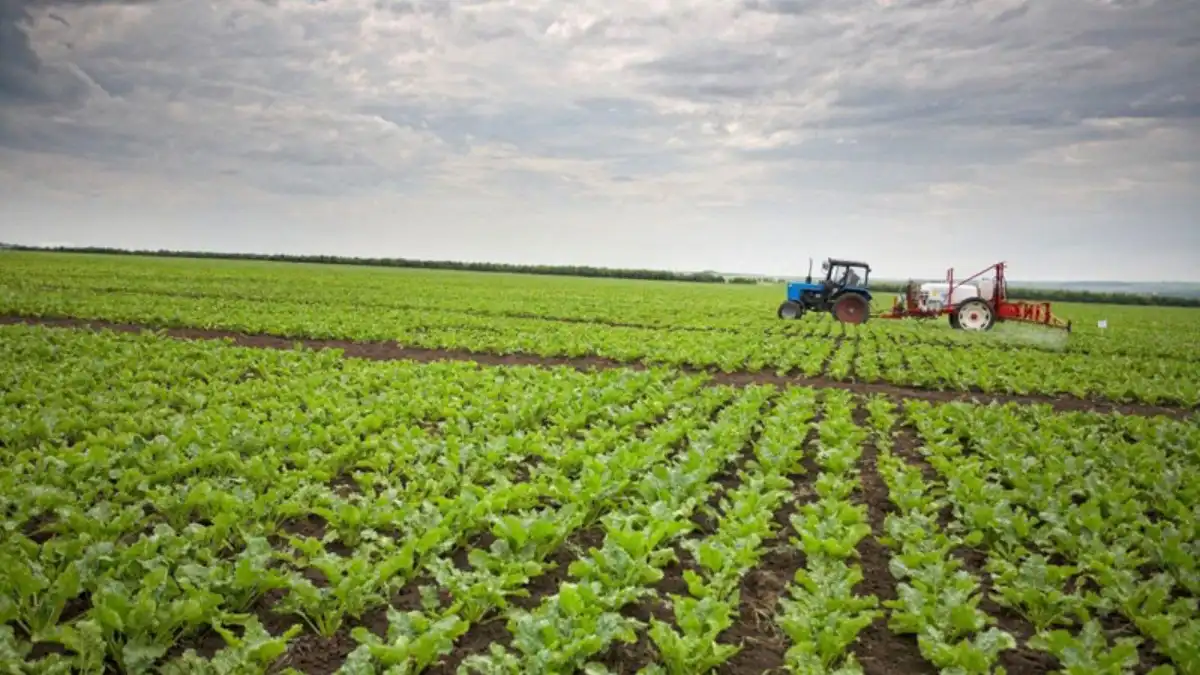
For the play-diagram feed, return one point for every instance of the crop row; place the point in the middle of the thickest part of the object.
(867, 353)
(1088, 521)
(157, 492)
(1132, 332)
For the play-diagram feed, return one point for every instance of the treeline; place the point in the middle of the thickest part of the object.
(1047, 295)
(559, 270)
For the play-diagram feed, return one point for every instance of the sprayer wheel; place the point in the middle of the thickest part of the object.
(975, 314)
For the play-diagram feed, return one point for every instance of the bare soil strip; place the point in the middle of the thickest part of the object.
(879, 650)
(763, 643)
(391, 351)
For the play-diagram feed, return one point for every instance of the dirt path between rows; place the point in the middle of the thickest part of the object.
(391, 351)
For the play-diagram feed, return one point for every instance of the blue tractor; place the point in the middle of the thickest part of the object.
(843, 292)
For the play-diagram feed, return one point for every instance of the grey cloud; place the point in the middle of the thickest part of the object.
(558, 103)
(23, 76)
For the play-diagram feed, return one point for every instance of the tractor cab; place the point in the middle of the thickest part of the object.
(847, 274)
(843, 292)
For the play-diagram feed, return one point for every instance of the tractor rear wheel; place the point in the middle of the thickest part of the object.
(791, 310)
(975, 314)
(851, 308)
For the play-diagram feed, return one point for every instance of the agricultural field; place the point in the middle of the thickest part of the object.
(229, 467)
(1146, 356)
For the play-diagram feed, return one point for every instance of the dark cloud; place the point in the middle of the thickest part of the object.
(23, 76)
(631, 100)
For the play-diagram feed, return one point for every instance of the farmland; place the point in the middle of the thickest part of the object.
(234, 467)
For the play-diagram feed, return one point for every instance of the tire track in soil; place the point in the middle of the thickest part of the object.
(493, 629)
(879, 650)
(763, 642)
(392, 351)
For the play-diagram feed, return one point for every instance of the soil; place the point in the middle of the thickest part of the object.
(312, 526)
(622, 657)
(492, 628)
(316, 655)
(763, 643)
(879, 650)
(386, 351)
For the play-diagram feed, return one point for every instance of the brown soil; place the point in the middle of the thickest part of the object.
(1020, 661)
(906, 447)
(624, 657)
(37, 528)
(309, 526)
(316, 655)
(879, 650)
(763, 642)
(387, 351)
(493, 629)
(344, 485)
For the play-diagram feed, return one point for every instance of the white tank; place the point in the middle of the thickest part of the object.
(936, 294)
(986, 288)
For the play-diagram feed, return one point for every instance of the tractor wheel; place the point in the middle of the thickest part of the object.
(851, 308)
(975, 314)
(791, 310)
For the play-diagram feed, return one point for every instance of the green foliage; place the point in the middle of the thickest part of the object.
(1145, 355)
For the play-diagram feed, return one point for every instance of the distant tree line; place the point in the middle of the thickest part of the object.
(559, 270)
(1047, 295)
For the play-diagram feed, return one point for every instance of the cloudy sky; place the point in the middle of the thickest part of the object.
(738, 135)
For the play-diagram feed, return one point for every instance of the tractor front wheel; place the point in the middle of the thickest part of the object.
(851, 308)
(791, 310)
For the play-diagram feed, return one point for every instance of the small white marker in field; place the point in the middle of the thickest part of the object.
(1102, 323)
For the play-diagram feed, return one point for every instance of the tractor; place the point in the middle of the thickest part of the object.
(843, 292)
(975, 303)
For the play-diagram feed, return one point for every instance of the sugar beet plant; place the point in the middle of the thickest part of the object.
(1086, 518)
(138, 517)
(416, 311)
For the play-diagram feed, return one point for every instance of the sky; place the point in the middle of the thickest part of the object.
(735, 135)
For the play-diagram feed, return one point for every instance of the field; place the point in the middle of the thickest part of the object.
(232, 467)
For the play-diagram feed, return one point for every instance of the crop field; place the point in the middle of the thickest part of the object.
(232, 468)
